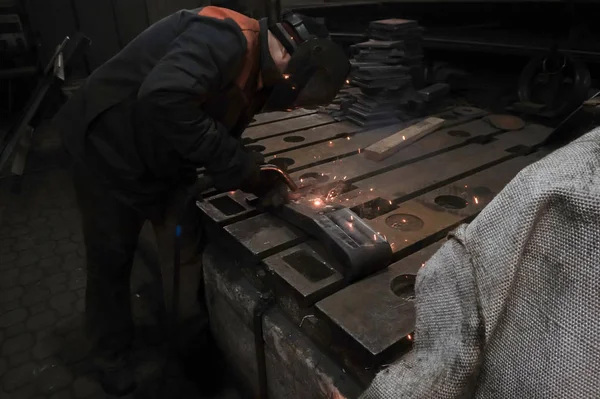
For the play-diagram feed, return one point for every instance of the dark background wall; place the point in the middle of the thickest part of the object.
(110, 24)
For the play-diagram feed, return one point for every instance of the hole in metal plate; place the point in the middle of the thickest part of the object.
(458, 133)
(248, 140)
(451, 202)
(256, 148)
(403, 286)
(283, 163)
(307, 265)
(374, 208)
(226, 205)
(404, 222)
(294, 139)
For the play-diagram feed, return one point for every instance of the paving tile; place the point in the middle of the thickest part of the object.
(45, 249)
(26, 392)
(30, 275)
(65, 394)
(41, 320)
(7, 243)
(19, 358)
(50, 261)
(23, 243)
(8, 306)
(27, 258)
(60, 233)
(75, 349)
(17, 377)
(67, 324)
(18, 231)
(42, 233)
(37, 308)
(53, 377)
(73, 262)
(50, 345)
(9, 257)
(9, 278)
(17, 344)
(56, 282)
(63, 303)
(78, 281)
(11, 294)
(14, 330)
(35, 294)
(68, 247)
(86, 386)
(12, 317)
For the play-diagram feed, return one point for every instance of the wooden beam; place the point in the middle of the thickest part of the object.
(390, 145)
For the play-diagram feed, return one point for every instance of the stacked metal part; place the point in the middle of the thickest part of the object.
(385, 68)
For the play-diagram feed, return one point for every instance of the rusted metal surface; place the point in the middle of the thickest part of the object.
(413, 198)
(378, 312)
(279, 116)
(278, 127)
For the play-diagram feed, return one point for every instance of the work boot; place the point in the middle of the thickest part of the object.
(118, 378)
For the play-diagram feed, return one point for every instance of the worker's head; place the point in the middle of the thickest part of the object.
(313, 67)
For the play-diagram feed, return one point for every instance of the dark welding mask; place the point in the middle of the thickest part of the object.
(316, 70)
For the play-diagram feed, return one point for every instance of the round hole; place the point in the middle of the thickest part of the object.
(256, 148)
(403, 286)
(293, 139)
(451, 202)
(312, 175)
(283, 163)
(404, 222)
(458, 133)
(248, 140)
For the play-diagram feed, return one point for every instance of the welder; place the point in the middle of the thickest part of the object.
(177, 98)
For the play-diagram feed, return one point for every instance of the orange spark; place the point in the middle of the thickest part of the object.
(476, 200)
(410, 337)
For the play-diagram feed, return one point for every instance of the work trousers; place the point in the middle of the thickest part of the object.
(111, 228)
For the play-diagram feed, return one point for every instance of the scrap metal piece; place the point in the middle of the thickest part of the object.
(378, 312)
(506, 122)
(360, 250)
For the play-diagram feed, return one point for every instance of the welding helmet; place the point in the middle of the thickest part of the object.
(317, 68)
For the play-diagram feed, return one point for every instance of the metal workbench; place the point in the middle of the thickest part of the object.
(278, 304)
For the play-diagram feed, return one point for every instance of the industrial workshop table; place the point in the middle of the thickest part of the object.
(288, 323)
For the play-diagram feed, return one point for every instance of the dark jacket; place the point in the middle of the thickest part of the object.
(177, 97)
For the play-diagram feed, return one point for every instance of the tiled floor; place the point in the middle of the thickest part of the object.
(43, 353)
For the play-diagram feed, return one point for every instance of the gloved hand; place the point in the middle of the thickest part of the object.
(252, 181)
(266, 185)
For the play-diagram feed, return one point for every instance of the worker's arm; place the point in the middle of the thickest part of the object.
(205, 57)
(448, 332)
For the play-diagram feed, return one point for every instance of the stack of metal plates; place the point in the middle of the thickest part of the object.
(384, 67)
